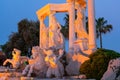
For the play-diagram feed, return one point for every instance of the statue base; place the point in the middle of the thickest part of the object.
(82, 43)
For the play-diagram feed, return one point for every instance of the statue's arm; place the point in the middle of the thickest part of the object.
(61, 52)
(6, 61)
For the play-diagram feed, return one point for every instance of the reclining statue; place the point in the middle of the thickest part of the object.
(15, 61)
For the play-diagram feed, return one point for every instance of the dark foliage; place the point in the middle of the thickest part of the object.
(2, 58)
(96, 66)
(26, 37)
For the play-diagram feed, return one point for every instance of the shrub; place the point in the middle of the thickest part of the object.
(2, 58)
(96, 66)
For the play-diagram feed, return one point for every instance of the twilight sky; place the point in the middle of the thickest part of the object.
(12, 11)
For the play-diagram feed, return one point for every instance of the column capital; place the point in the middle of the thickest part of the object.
(69, 1)
(82, 3)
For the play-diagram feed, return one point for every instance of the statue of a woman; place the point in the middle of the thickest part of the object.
(60, 38)
(56, 39)
(79, 23)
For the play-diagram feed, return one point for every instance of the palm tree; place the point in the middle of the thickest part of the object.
(65, 28)
(66, 18)
(102, 28)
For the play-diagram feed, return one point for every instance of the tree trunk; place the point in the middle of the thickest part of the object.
(100, 39)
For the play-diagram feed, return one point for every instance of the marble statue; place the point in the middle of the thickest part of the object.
(46, 59)
(55, 66)
(15, 61)
(74, 59)
(112, 72)
(60, 39)
(36, 65)
(70, 7)
(56, 39)
(44, 34)
(81, 34)
(79, 23)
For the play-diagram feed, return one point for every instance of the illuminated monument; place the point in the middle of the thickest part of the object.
(47, 58)
(81, 45)
(84, 41)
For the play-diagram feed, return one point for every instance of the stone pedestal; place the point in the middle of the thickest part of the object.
(82, 43)
(27, 78)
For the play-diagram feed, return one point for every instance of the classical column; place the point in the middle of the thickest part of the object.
(51, 40)
(41, 19)
(50, 24)
(84, 20)
(71, 11)
(40, 37)
(91, 22)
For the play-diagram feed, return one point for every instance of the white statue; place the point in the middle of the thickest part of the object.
(36, 65)
(56, 38)
(55, 66)
(112, 72)
(79, 23)
(44, 34)
(15, 61)
(59, 38)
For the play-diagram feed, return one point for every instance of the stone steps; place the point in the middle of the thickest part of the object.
(31, 78)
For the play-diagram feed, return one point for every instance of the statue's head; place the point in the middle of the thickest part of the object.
(16, 52)
(61, 51)
(35, 51)
(49, 52)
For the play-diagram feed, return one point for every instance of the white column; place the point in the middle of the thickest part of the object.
(71, 8)
(91, 22)
(51, 13)
(40, 38)
(41, 19)
(84, 19)
(50, 24)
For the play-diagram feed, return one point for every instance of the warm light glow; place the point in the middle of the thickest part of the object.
(80, 58)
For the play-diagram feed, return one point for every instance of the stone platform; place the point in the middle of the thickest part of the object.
(12, 74)
(31, 78)
(18, 76)
(9, 76)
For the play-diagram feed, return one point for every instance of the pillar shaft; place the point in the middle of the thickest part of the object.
(50, 24)
(40, 37)
(71, 24)
(91, 22)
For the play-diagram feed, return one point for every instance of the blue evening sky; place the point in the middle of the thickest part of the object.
(12, 11)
